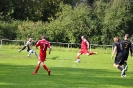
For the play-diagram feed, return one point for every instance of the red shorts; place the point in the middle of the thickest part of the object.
(83, 51)
(42, 56)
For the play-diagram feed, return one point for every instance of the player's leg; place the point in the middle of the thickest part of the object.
(29, 52)
(78, 58)
(34, 52)
(87, 53)
(78, 55)
(118, 67)
(123, 74)
(125, 62)
(46, 68)
(37, 67)
(91, 53)
(125, 65)
(118, 62)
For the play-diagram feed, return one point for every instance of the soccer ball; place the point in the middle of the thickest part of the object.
(78, 60)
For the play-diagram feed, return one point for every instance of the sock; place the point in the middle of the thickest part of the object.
(45, 67)
(91, 53)
(125, 63)
(37, 67)
(124, 73)
(120, 68)
(78, 57)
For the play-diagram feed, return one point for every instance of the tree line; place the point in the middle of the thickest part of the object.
(66, 20)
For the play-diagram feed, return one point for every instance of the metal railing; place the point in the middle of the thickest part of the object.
(68, 45)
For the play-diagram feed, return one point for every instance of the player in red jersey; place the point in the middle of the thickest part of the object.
(44, 44)
(84, 49)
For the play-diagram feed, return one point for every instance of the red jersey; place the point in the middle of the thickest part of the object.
(84, 44)
(44, 44)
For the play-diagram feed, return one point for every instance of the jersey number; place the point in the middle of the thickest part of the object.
(126, 45)
(44, 46)
(121, 46)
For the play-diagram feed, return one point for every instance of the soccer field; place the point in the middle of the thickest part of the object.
(94, 71)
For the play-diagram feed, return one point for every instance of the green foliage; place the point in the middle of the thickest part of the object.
(70, 24)
(66, 20)
(33, 10)
(8, 30)
(28, 29)
(116, 19)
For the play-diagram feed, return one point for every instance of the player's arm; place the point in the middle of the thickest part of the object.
(131, 49)
(114, 50)
(87, 44)
(22, 48)
(50, 48)
(37, 44)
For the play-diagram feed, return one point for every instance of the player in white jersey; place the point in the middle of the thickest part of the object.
(29, 45)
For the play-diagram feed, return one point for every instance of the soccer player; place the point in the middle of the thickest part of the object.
(119, 59)
(127, 47)
(84, 49)
(44, 44)
(29, 45)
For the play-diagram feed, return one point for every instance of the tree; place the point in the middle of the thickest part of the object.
(116, 20)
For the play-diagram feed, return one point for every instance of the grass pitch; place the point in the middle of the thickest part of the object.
(94, 71)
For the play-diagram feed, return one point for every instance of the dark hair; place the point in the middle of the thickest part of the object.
(126, 35)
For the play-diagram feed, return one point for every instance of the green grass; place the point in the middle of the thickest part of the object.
(94, 71)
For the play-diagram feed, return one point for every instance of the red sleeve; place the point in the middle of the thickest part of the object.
(48, 45)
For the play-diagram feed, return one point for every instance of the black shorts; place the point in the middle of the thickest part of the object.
(28, 50)
(119, 59)
(126, 56)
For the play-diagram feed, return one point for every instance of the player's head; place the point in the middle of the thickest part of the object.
(126, 36)
(116, 39)
(43, 36)
(30, 39)
(82, 37)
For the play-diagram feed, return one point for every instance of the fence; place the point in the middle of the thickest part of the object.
(67, 45)
(7, 40)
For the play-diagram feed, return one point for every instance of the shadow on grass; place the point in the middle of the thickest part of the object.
(54, 58)
(20, 76)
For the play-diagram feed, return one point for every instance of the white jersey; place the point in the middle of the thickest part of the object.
(29, 45)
